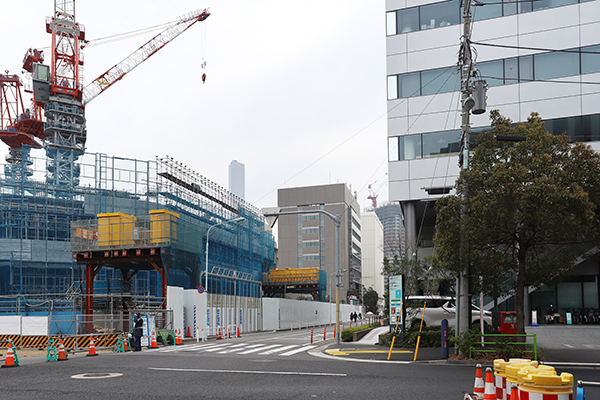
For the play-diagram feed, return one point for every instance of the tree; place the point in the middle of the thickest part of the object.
(532, 209)
(370, 299)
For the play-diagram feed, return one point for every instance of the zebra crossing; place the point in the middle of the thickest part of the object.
(283, 350)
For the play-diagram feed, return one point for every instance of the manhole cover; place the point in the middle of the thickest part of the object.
(97, 375)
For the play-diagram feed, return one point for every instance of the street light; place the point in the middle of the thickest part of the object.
(238, 219)
(329, 288)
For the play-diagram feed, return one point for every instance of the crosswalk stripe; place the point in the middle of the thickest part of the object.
(260, 349)
(278, 350)
(301, 349)
(237, 347)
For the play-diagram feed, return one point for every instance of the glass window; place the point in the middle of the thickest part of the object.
(525, 6)
(440, 80)
(392, 87)
(553, 65)
(440, 14)
(491, 10)
(492, 72)
(526, 69)
(590, 128)
(438, 143)
(409, 84)
(541, 4)
(509, 7)
(511, 70)
(590, 62)
(410, 147)
(391, 23)
(393, 148)
(408, 20)
(590, 295)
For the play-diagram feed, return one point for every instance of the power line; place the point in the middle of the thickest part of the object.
(506, 46)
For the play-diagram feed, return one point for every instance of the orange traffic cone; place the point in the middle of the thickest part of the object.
(92, 350)
(154, 345)
(188, 332)
(62, 355)
(228, 333)
(514, 393)
(479, 389)
(238, 332)
(490, 386)
(220, 336)
(180, 337)
(9, 361)
(125, 342)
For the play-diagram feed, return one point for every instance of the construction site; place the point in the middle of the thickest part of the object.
(87, 238)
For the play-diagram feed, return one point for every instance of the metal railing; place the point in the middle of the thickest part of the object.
(505, 343)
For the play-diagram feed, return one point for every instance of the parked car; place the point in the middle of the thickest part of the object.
(437, 309)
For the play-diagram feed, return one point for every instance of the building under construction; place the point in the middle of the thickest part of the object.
(130, 228)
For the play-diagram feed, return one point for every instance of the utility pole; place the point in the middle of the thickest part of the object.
(463, 308)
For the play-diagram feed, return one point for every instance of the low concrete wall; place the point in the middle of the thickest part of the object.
(292, 314)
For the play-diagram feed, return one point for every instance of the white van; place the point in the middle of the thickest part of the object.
(437, 309)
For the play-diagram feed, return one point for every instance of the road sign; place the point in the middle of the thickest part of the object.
(200, 289)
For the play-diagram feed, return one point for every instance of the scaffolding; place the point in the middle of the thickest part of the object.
(155, 204)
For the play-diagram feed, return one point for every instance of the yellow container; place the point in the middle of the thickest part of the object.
(163, 226)
(115, 229)
(544, 380)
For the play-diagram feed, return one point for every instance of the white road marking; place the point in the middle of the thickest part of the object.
(301, 349)
(260, 349)
(278, 350)
(224, 371)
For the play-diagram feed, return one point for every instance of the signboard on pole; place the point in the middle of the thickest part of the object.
(396, 299)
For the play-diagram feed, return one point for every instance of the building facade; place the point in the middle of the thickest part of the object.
(308, 240)
(372, 254)
(390, 215)
(514, 44)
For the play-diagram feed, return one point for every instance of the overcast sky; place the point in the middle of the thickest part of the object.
(295, 90)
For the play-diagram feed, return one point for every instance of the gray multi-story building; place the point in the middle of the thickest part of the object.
(308, 240)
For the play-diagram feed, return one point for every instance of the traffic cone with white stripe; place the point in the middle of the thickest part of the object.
(153, 345)
(490, 387)
(479, 388)
(92, 350)
(220, 336)
(9, 361)
(62, 355)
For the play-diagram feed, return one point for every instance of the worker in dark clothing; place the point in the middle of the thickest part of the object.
(138, 324)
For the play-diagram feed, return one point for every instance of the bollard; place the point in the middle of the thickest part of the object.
(325, 333)
(311, 334)
(545, 384)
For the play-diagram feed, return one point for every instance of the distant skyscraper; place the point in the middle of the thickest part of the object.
(237, 179)
(390, 215)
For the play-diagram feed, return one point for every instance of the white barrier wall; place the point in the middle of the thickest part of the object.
(189, 312)
(20, 325)
(288, 314)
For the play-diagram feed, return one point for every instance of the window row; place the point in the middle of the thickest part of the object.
(536, 67)
(447, 13)
(585, 128)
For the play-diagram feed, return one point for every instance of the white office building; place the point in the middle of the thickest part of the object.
(514, 45)
(237, 179)
(372, 254)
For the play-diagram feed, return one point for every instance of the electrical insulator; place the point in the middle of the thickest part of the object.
(479, 95)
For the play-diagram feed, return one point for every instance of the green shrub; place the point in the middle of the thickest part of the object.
(348, 334)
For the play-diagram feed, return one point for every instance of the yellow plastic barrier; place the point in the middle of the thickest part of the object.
(543, 383)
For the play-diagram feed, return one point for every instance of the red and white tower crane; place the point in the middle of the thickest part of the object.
(373, 192)
(59, 90)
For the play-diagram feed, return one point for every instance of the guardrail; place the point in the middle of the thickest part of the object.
(500, 344)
